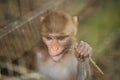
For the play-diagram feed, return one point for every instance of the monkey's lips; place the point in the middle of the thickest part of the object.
(57, 57)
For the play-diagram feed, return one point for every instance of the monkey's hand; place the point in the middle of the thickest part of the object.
(83, 51)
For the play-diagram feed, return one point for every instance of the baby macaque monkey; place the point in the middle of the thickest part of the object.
(58, 55)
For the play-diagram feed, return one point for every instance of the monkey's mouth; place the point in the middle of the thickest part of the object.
(58, 56)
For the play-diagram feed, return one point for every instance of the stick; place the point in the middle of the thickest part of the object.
(93, 62)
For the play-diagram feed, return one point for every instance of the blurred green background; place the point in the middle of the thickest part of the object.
(100, 26)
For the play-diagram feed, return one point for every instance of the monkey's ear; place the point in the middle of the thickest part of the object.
(75, 20)
(41, 18)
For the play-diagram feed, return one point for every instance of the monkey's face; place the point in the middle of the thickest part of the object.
(57, 31)
(56, 44)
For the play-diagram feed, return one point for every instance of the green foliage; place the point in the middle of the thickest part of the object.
(100, 29)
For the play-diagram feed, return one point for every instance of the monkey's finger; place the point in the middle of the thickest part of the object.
(78, 49)
(84, 51)
(79, 53)
(88, 52)
(81, 47)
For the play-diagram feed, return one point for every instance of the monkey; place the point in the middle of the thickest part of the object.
(58, 55)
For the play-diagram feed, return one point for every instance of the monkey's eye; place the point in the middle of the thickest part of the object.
(62, 37)
(48, 37)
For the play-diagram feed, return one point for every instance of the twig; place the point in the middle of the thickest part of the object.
(93, 62)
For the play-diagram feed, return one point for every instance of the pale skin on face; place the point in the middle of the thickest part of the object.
(55, 43)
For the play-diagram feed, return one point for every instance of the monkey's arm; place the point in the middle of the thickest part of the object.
(83, 52)
(84, 72)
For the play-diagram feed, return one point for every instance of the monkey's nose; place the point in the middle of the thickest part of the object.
(55, 48)
(55, 45)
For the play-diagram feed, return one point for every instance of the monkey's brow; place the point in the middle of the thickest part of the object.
(63, 36)
(59, 35)
(56, 36)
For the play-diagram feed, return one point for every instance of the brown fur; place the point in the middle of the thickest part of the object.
(69, 67)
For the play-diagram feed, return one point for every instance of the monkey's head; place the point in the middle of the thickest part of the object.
(58, 30)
